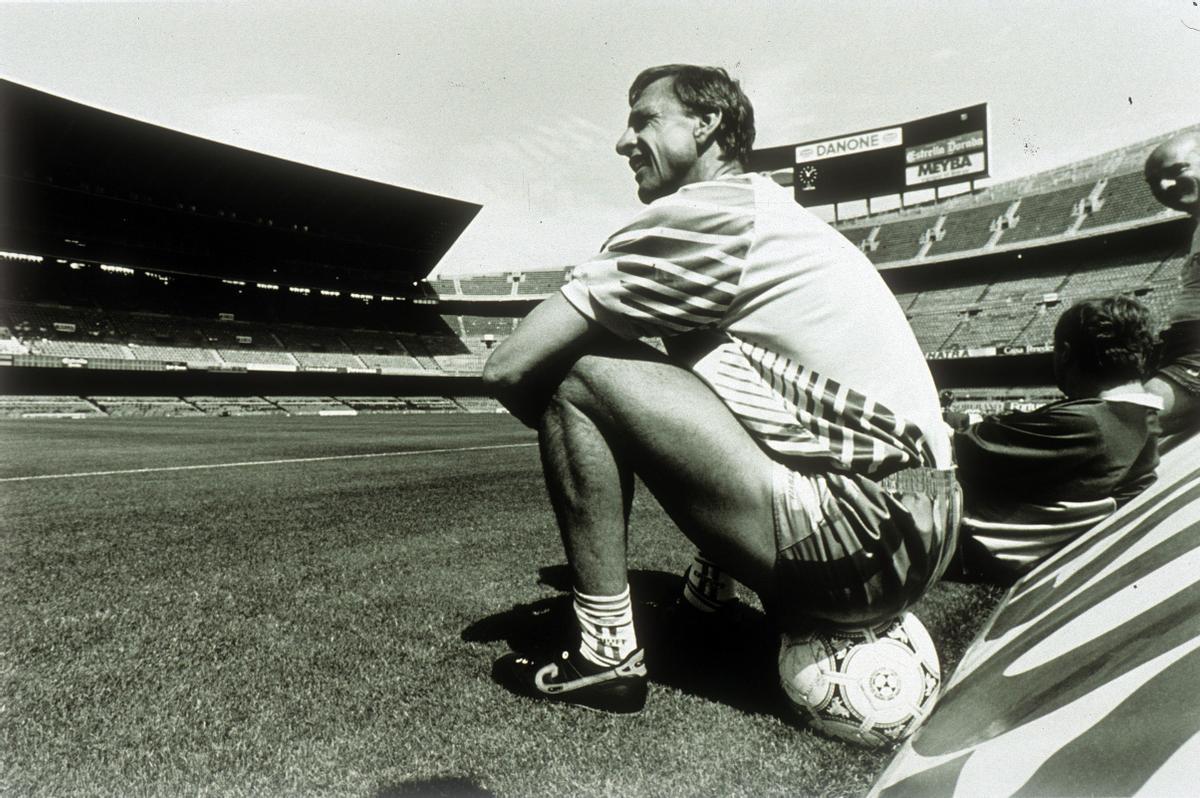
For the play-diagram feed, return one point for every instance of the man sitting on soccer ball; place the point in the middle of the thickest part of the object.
(792, 431)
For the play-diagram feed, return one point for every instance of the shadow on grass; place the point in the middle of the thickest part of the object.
(434, 788)
(731, 662)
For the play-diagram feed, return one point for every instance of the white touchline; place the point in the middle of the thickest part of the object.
(265, 462)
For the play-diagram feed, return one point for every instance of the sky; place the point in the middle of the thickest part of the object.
(517, 106)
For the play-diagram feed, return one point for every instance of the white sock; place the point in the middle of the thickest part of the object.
(706, 587)
(606, 626)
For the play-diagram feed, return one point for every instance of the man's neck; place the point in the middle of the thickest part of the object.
(711, 166)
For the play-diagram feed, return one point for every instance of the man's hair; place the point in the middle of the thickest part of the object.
(1110, 338)
(703, 89)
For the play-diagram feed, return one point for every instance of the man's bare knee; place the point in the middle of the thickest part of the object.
(603, 370)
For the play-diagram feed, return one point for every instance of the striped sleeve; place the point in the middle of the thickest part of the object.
(675, 268)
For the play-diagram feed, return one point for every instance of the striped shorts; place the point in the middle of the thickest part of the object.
(853, 550)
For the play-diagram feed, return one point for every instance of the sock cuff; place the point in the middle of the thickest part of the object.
(602, 601)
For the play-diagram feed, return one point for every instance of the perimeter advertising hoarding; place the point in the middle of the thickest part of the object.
(951, 147)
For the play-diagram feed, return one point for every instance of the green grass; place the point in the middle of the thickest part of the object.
(328, 628)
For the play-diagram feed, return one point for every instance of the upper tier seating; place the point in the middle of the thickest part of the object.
(967, 229)
(193, 356)
(900, 240)
(1044, 215)
(1126, 198)
(487, 285)
(540, 283)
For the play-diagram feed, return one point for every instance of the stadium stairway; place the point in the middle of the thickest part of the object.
(1083, 681)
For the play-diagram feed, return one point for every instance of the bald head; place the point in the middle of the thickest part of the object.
(1173, 172)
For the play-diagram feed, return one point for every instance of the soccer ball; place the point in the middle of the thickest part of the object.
(871, 685)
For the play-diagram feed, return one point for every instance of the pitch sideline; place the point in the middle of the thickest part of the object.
(247, 463)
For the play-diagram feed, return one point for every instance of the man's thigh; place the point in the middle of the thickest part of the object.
(687, 447)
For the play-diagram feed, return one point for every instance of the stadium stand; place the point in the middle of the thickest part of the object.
(81, 349)
(539, 283)
(9, 345)
(1044, 215)
(380, 350)
(444, 287)
(901, 240)
(419, 348)
(991, 328)
(974, 228)
(375, 404)
(146, 406)
(906, 300)
(258, 358)
(235, 405)
(188, 355)
(312, 405)
(47, 407)
(1125, 199)
(488, 285)
(933, 330)
(478, 404)
(1022, 288)
(328, 360)
(432, 404)
(939, 300)
(476, 327)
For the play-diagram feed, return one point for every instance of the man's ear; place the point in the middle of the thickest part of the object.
(706, 127)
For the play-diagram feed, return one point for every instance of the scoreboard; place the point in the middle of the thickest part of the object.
(950, 147)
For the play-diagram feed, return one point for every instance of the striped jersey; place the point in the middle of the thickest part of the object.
(816, 359)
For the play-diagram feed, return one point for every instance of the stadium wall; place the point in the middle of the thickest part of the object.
(30, 380)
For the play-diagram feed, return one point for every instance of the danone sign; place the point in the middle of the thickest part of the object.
(849, 145)
(950, 147)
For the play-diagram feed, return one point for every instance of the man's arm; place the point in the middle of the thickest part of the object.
(526, 368)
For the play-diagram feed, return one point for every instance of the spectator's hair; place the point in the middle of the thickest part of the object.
(1110, 338)
(701, 90)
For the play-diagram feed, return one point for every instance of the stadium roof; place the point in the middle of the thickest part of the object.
(133, 192)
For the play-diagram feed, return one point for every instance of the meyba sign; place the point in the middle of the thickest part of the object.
(934, 151)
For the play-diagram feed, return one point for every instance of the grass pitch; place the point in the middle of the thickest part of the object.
(323, 622)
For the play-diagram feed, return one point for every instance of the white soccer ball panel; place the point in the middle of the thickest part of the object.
(805, 666)
(872, 685)
(884, 682)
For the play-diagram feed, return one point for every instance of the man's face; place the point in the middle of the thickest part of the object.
(659, 141)
(1173, 172)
